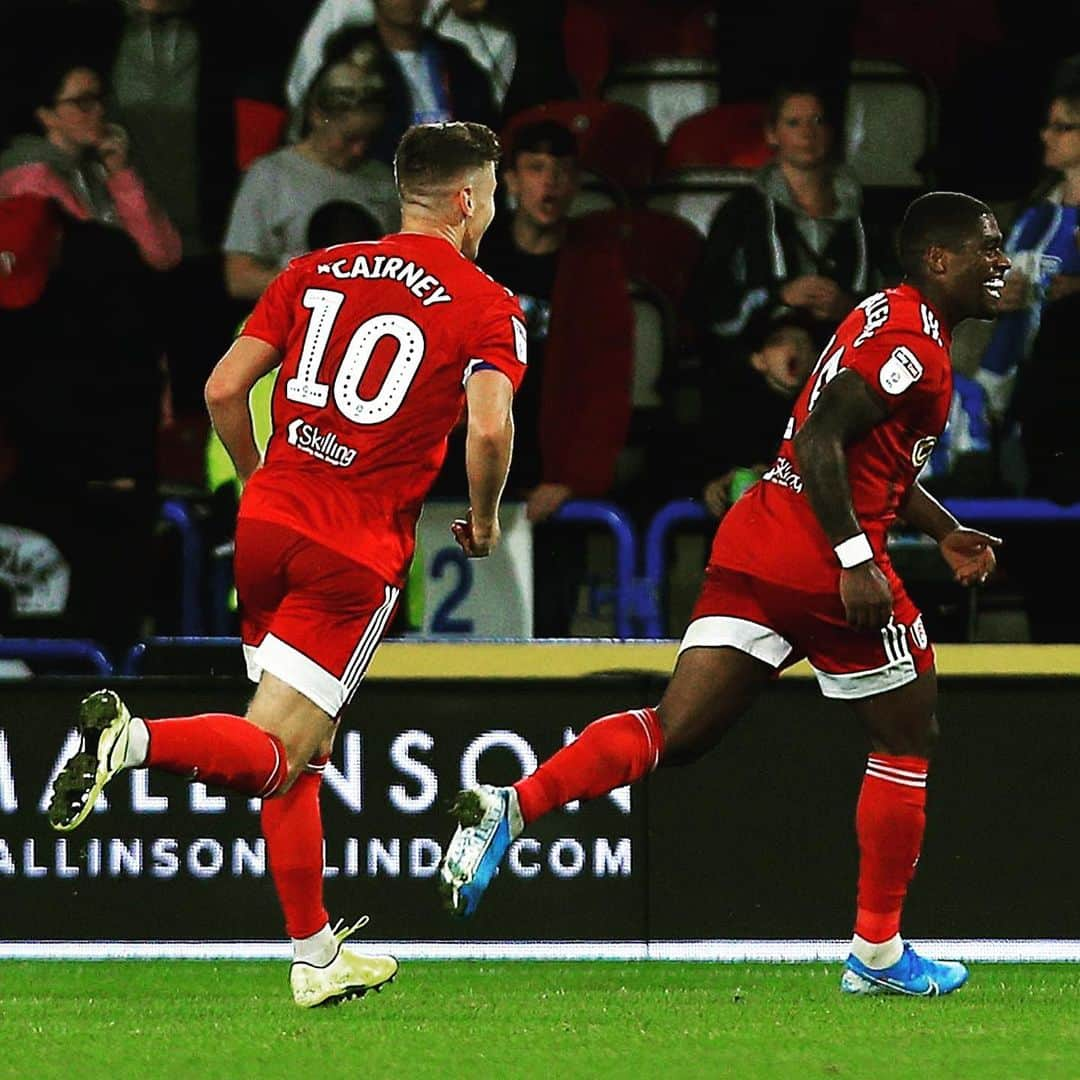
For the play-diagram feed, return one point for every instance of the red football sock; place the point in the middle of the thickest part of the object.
(889, 820)
(218, 748)
(292, 825)
(612, 751)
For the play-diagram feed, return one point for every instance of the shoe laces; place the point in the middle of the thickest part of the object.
(341, 931)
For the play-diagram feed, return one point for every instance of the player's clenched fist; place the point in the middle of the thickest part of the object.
(867, 597)
(476, 538)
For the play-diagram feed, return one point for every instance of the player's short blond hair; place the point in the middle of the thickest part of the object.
(432, 157)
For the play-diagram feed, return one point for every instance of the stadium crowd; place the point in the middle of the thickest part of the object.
(686, 169)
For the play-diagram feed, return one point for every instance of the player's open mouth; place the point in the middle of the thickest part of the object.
(994, 286)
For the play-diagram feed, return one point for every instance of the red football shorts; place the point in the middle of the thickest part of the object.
(308, 615)
(780, 626)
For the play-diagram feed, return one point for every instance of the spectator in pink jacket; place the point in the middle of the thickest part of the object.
(81, 162)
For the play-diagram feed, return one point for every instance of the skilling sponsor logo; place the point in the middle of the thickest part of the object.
(325, 447)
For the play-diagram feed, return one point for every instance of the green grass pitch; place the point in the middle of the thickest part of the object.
(150, 1019)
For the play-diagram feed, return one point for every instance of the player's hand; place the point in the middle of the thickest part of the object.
(476, 538)
(867, 597)
(544, 500)
(970, 555)
(715, 495)
(113, 149)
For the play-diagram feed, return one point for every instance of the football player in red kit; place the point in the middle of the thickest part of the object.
(380, 346)
(799, 568)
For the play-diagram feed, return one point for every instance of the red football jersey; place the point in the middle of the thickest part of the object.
(896, 342)
(377, 340)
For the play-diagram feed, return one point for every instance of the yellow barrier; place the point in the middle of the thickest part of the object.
(561, 659)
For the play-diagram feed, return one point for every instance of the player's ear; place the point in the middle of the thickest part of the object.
(468, 201)
(937, 259)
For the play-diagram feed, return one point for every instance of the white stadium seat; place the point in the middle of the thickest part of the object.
(890, 124)
(668, 89)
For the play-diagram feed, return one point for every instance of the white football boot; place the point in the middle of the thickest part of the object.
(348, 975)
(105, 726)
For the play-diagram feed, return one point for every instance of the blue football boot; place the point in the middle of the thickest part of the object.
(489, 820)
(912, 975)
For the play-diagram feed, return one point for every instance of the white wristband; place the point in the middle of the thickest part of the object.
(854, 551)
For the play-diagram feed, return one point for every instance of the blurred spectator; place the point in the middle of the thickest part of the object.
(746, 404)
(280, 192)
(572, 413)
(175, 76)
(467, 22)
(794, 237)
(428, 78)
(77, 306)
(82, 162)
(762, 45)
(1039, 307)
(179, 71)
(1021, 44)
(962, 462)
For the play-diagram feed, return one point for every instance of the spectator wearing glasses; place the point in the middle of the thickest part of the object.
(81, 161)
(1045, 257)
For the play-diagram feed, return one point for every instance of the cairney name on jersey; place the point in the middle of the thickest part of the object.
(424, 286)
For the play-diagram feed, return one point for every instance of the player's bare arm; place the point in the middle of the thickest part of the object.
(227, 390)
(969, 552)
(489, 441)
(846, 410)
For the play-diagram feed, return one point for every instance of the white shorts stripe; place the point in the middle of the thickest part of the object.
(371, 628)
(369, 642)
(850, 686)
(760, 642)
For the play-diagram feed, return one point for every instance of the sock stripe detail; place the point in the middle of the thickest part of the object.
(273, 781)
(641, 715)
(883, 766)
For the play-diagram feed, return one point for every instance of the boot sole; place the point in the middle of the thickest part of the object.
(97, 714)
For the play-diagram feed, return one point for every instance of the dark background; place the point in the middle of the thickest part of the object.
(756, 841)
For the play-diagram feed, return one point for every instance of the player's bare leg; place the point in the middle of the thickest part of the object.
(323, 971)
(890, 820)
(277, 753)
(710, 689)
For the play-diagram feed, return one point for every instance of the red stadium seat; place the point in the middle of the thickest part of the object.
(707, 157)
(260, 127)
(600, 33)
(616, 142)
(669, 89)
(660, 249)
(726, 136)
